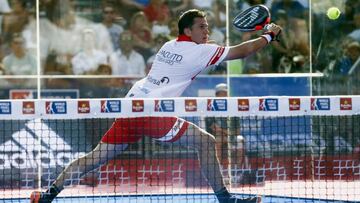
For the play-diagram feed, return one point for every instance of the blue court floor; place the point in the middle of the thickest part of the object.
(181, 198)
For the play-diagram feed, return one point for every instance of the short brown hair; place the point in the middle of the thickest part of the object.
(186, 19)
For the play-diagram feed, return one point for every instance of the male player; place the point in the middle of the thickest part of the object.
(176, 64)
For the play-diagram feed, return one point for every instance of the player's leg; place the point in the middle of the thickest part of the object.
(204, 143)
(101, 154)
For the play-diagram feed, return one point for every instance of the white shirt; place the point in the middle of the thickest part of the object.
(122, 65)
(83, 61)
(20, 66)
(176, 64)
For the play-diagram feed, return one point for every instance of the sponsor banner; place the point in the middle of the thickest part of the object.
(346, 104)
(28, 107)
(294, 104)
(320, 104)
(190, 105)
(5, 107)
(269, 104)
(55, 107)
(137, 105)
(243, 105)
(113, 108)
(164, 106)
(83, 107)
(217, 105)
(110, 106)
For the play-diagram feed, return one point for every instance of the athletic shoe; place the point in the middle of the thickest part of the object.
(44, 197)
(234, 199)
(41, 197)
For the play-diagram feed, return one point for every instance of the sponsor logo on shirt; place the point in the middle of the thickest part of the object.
(157, 82)
(28, 107)
(83, 107)
(190, 105)
(268, 105)
(217, 104)
(5, 107)
(294, 104)
(169, 57)
(55, 107)
(345, 104)
(320, 104)
(164, 106)
(243, 105)
(137, 105)
(110, 106)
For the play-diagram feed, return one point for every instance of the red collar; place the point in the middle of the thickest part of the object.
(182, 38)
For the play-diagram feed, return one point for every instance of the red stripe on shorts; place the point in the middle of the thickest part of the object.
(131, 130)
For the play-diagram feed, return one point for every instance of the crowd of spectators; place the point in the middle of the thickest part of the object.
(79, 37)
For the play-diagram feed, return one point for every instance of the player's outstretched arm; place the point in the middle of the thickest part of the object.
(250, 47)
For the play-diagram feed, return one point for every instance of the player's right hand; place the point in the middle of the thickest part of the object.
(272, 27)
(273, 30)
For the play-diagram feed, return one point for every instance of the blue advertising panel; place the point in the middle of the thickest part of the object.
(252, 86)
(265, 135)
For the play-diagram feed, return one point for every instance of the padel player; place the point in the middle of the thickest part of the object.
(176, 65)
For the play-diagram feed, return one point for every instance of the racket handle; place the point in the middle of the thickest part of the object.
(276, 38)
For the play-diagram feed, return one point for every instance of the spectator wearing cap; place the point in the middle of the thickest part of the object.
(221, 90)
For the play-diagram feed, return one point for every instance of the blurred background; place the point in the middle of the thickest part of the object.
(99, 48)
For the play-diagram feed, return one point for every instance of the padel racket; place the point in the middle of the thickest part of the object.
(253, 18)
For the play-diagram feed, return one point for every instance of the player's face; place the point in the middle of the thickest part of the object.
(200, 31)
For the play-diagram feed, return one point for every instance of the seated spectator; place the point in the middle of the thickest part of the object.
(61, 33)
(158, 42)
(177, 6)
(126, 61)
(291, 53)
(29, 34)
(355, 33)
(173, 27)
(89, 59)
(215, 33)
(351, 54)
(293, 8)
(157, 11)
(141, 31)
(19, 61)
(4, 9)
(129, 7)
(109, 18)
(16, 20)
(203, 5)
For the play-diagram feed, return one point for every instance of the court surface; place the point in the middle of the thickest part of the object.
(281, 192)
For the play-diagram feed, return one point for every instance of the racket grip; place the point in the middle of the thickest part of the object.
(276, 37)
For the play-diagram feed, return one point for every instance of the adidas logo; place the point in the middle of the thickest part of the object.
(24, 149)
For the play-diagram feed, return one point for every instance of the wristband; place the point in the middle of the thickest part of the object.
(271, 33)
(267, 37)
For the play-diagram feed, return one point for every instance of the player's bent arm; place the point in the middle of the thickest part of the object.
(246, 48)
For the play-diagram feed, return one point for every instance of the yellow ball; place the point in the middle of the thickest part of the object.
(333, 13)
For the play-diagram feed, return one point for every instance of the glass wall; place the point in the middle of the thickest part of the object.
(99, 48)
